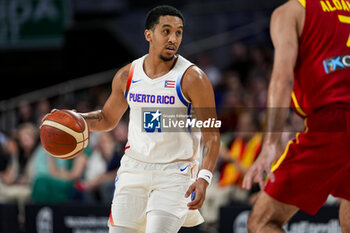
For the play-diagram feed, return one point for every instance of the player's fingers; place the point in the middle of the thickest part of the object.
(43, 119)
(190, 190)
(261, 184)
(198, 205)
(195, 197)
(246, 181)
(201, 201)
(248, 178)
(271, 176)
(196, 202)
(260, 178)
(195, 207)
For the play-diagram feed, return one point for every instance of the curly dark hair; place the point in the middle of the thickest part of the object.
(153, 15)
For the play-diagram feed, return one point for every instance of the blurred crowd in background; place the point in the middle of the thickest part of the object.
(29, 174)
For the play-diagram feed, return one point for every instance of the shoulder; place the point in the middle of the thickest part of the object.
(194, 81)
(287, 21)
(194, 74)
(121, 77)
(290, 7)
(123, 73)
(289, 12)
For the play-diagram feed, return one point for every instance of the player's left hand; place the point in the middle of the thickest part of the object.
(261, 167)
(199, 188)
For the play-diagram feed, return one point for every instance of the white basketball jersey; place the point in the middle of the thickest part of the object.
(149, 100)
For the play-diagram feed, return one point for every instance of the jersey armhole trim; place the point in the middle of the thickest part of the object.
(128, 83)
(180, 94)
(302, 2)
(297, 106)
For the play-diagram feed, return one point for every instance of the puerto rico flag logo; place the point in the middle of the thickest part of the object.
(169, 84)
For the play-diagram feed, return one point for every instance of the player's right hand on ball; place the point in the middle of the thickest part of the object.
(52, 111)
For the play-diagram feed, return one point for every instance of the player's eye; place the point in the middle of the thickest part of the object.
(166, 31)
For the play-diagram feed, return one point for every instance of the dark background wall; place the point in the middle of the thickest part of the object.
(93, 36)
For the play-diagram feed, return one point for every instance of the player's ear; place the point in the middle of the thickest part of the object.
(148, 34)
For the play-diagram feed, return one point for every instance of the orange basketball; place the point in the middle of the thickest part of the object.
(64, 134)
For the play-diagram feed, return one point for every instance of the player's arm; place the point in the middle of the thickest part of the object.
(285, 38)
(114, 108)
(284, 34)
(197, 88)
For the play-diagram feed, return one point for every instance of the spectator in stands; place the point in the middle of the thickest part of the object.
(5, 171)
(241, 151)
(98, 177)
(28, 141)
(83, 105)
(25, 113)
(205, 63)
(58, 184)
(257, 90)
(120, 134)
(10, 165)
(236, 157)
(261, 61)
(229, 110)
(17, 176)
(110, 150)
(9, 191)
(241, 62)
(42, 108)
(230, 83)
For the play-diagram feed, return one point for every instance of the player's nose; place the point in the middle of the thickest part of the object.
(172, 38)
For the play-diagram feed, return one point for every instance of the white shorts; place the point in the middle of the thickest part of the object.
(143, 187)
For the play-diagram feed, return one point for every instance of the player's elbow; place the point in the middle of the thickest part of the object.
(288, 82)
(283, 79)
(108, 122)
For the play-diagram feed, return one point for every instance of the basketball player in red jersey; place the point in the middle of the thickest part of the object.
(311, 65)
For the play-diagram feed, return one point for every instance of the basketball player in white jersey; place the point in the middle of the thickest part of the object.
(157, 189)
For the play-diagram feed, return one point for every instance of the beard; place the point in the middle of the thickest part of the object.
(166, 58)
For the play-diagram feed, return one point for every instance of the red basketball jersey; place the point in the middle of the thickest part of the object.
(322, 71)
